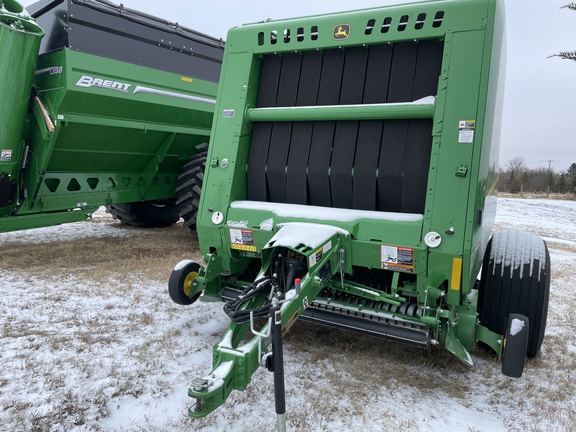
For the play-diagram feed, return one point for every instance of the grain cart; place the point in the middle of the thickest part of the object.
(351, 180)
(105, 109)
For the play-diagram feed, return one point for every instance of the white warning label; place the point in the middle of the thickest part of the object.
(466, 131)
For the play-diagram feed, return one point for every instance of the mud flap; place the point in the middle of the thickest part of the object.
(515, 345)
(455, 347)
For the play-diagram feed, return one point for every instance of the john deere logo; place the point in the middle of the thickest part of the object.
(341, 32)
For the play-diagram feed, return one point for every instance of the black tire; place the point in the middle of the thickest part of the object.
(180, 282)
(146, 214)
(515, 278)
(189, 189)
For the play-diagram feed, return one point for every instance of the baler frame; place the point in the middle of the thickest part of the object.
(382, 123)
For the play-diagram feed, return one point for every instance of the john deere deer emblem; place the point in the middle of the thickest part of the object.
(341, 32)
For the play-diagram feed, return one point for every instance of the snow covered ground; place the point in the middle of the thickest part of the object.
(88, 344)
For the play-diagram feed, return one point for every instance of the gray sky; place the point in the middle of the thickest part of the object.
(540, 95)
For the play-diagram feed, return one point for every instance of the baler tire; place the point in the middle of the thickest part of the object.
(508, 286)
(189, 189)
(180, 282)
(146, 214)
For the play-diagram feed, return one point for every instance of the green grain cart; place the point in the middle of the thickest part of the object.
(100, 105)
(350, 181)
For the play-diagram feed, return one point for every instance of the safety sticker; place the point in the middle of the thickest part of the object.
(318, 254)
(397, 258)
(466, 131)
(242, 240)
(6, 156)
(290, 323)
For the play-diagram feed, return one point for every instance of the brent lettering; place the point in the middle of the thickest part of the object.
(88, 81)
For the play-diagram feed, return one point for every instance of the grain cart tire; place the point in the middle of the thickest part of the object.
(146, 214)
(515, 278)
(180, 282)
(514, 345)
(189, 189)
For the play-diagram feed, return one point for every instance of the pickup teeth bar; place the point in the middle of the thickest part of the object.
(380, 324)
(365, 305)
(360, 315)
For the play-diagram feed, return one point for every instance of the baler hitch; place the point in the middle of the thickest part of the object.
(288, 282)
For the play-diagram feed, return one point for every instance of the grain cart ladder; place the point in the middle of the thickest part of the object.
(357, 152)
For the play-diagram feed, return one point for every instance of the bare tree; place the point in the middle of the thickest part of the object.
(516, 177)
(517, 164)
(515, 168)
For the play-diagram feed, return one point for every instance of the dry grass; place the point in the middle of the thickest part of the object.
(148, 253)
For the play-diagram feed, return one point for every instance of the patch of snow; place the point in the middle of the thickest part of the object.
(514, 248)
(237, 224)
(294, 234)
(267, 225)
(324, 213)
(182, 264)
(428, 100)
(218, 375)
(516, 326)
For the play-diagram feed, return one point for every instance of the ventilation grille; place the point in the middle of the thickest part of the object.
(373, 26)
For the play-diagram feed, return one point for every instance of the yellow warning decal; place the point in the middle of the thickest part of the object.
(186, 79)
(241, 247)
(290, 323)
(456, 274)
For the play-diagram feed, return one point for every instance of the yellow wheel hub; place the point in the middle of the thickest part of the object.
(187, 288)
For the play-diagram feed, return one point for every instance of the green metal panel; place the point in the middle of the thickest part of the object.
(99, 131)
(20, 40)
(110, 146)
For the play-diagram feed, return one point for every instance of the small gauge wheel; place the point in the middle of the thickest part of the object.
(180, 283)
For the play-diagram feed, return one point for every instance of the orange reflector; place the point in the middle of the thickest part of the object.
(186, 79)
(456, 274)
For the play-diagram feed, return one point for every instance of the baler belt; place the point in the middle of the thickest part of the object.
(301, 140)
(257, 183)
(346, 137)
(296, 178)
(365, 164)
(368, 164)
(282, 131)
(323, 133)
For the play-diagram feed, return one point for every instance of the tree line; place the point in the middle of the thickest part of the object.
(517, 178)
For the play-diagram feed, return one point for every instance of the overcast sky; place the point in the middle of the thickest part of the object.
(540, 94)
